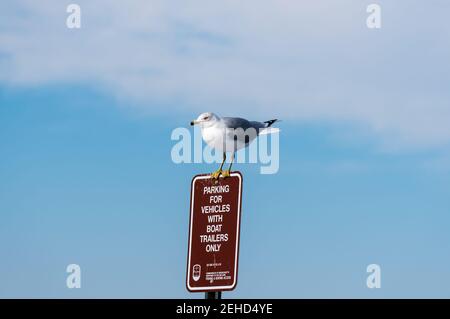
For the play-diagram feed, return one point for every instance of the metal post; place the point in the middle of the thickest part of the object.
(213, 295)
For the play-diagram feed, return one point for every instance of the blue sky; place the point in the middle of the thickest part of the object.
(85, 168)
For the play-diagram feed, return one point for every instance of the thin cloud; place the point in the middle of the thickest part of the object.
(301, 60)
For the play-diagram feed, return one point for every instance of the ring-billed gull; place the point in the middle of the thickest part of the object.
(229, 134)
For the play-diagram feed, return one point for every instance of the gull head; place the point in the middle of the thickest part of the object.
(206, 119)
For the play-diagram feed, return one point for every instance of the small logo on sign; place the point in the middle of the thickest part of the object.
(196, 270)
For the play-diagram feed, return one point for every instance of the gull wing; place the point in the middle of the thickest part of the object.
(242, 136)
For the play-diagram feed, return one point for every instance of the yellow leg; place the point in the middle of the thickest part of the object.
(228, 171)
(216, 174)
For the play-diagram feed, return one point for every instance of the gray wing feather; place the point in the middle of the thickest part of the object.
(236, 122)
(258, 125)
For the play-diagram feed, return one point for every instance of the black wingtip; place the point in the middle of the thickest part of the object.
(270, 122)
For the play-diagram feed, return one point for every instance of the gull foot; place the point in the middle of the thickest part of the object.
(216, 174)
(226, 174)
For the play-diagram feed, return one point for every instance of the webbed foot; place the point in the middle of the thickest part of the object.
(226, 173)
(216, 174)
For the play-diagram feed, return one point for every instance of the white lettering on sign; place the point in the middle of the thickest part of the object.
(214, 209)
(215, 219)
(214, 227)
(216, 189)
(213, 238)
(213, 247)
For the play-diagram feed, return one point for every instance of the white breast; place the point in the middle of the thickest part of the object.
(213, 136)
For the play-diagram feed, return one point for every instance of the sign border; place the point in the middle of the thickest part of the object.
(236, 263)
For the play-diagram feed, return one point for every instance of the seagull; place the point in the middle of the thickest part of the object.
(229, 134)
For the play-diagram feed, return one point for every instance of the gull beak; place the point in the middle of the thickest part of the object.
(194, 122)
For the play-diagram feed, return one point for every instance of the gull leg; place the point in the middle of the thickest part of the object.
(216, 174)
(228, 171)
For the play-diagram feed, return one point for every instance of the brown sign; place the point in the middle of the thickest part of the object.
(213, 247)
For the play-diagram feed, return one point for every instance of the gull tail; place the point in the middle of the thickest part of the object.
(270, 122)
(268, 129)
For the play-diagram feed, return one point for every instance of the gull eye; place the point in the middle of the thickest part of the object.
(206, 117)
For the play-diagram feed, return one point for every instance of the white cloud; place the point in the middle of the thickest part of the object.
(302, 60)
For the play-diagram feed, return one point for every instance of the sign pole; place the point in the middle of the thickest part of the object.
(213, 295)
